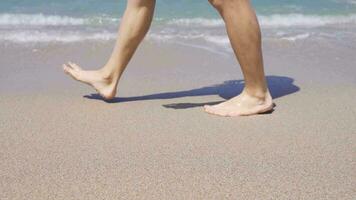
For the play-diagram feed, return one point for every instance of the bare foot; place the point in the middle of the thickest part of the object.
(242, 105)
(106, 87)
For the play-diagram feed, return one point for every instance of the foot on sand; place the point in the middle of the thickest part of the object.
(242, 105)
(106, 87)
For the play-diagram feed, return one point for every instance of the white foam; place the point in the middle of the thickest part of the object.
(167, 36)
(222, 41)
(63, 37)
(195, 29)
(277, 20)
(297, 37)
(196, 22)
(39, 20)
(299, 20)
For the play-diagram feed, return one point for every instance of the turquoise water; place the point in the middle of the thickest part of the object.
(184, 21)
(174, 8)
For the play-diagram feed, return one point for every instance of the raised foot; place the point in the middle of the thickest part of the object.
(242, 105)
(106, 87)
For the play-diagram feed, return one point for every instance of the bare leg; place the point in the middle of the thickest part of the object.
(134, 26)
(245, 37)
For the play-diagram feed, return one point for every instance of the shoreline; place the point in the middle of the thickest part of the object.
(320, 63)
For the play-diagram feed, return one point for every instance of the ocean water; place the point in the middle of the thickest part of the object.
(192, 22)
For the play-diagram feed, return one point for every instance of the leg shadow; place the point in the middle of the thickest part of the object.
(279, 86)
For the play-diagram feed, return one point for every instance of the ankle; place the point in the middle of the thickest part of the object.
(108, 76)
(261, 94)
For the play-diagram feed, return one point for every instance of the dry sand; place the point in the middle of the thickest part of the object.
(154, 141)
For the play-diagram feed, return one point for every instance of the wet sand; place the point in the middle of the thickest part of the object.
(58, 140)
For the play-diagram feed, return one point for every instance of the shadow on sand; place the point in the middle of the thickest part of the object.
(279, 86)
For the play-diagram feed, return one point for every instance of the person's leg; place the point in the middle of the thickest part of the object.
(134, 26)
(245, 37)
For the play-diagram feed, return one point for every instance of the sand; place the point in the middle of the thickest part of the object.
(60, 141)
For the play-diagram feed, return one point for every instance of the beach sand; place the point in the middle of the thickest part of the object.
(58, 140)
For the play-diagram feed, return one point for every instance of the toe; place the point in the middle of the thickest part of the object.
(210, 109)
(69, 70)
(66, 69)
(74, 66)
(206, 107)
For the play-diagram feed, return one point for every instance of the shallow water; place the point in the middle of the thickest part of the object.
(185, 21)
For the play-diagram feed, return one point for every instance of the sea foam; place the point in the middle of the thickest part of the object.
(299, 20)
(276, 20)
(52, 28)
(39, 20)
(62, 37)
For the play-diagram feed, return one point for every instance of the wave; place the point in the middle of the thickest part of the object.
(196, 22)
(39, 20)
(219, 40)
(299, 20)
(53, 20)
(29, 28)
(276, 20)
(297, 37)
(35, 36)
(62, 37)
